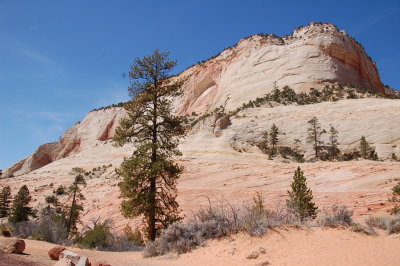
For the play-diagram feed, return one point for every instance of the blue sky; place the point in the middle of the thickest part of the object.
(60, 59)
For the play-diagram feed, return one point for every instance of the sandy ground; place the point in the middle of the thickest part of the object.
(285, 246)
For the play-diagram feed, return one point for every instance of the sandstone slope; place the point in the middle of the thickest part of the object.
(310, 57)
(219, 153)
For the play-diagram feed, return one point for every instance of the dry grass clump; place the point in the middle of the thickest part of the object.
(377, 222)
(389, 223)
(393, 225)
(364, 229)
(337, 216)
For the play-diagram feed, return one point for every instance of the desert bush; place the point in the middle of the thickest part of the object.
(96, 235)
(134, 236)
(364, 229)
(296, 155)
(99, 235)
(393, 225)
(24, 229)
(61, 190)
(119, 243)
(376, 221)
(51, 227)
(337, 216)
(216, 222)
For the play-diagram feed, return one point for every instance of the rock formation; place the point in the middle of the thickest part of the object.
(97, 127)
(310, 57)
(220, 154)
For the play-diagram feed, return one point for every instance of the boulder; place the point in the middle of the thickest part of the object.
(13, 245)
(6, 233)
(76, 259)
(55, 252)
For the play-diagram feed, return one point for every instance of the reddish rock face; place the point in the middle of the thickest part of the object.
(12, 245)
(55, 252)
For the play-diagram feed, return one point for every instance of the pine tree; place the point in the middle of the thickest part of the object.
(5, 200)
(314, 134)
(365, 149)
(300, 197)
(20, 209)
(273, 139)
(333, 142)
(72, 211)
(150, 174)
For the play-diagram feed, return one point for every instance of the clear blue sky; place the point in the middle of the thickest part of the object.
(60, 59)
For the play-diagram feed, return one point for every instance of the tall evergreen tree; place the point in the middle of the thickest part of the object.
(300, 197)
(72, 211)
(273, 139)
(314, 134)
(150, 174)
(5, 200)
(20, 210)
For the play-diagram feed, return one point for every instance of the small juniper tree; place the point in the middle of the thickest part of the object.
(273, 139)
(20, 210)
(333, 142)
(395, 199)
(314, 134)
(300, 197)
(5, 200)
(150, 175)
(72, 211)
(365, 149)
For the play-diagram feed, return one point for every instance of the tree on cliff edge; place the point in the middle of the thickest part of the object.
(150, 175)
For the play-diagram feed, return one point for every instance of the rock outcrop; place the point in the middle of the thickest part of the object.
(97, 127)
(311, 57)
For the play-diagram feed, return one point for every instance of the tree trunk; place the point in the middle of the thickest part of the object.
(153, 190)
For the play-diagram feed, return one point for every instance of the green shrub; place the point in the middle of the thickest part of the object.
(61, 190)
(96, 235)
(134, 236)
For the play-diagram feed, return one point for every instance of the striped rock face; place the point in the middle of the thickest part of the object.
(310, 57)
